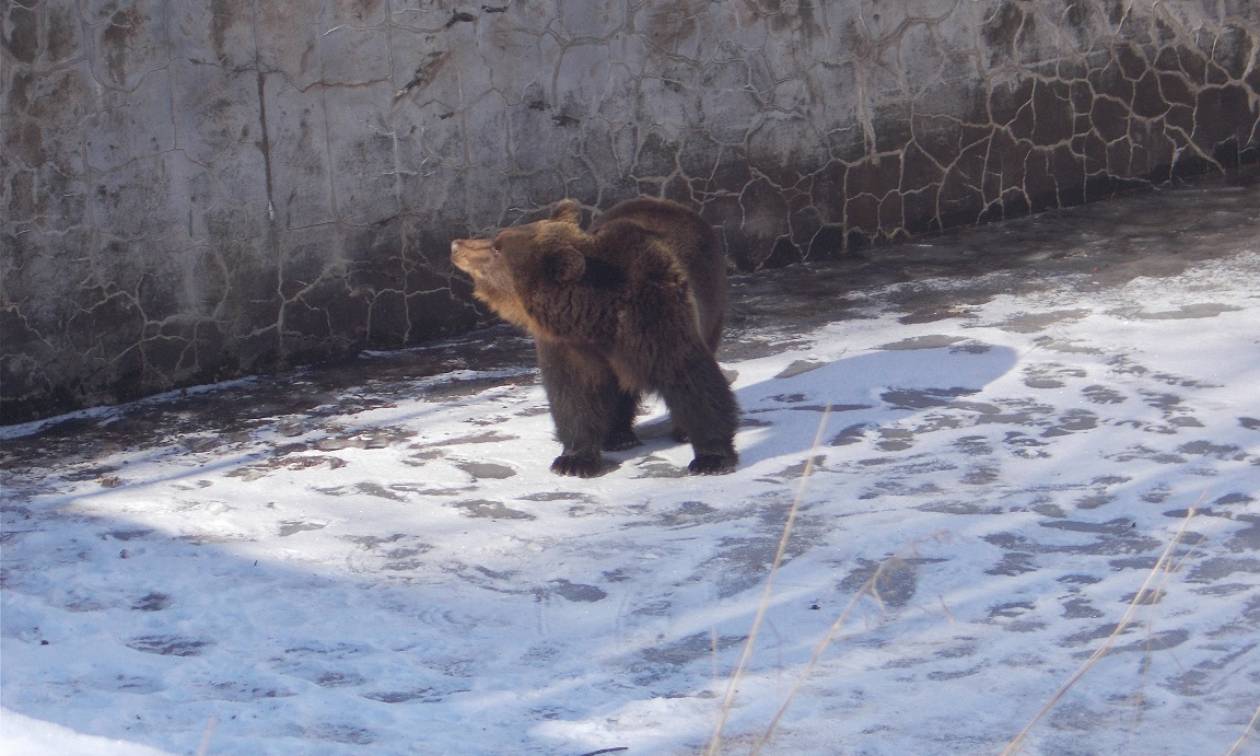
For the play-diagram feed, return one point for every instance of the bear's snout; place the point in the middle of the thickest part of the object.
(469, 254)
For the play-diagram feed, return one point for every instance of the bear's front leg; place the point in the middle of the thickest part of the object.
(704, 409)
(583, 395)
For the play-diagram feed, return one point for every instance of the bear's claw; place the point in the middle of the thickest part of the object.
(712, 464)
(582, 467)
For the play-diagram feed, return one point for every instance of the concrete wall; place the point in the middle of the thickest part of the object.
(191, 190)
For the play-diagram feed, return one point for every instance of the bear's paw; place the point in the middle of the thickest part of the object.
(713, 464)
(581, 467)
(623, 439)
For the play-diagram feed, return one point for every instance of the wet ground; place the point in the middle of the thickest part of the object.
(1021, 416)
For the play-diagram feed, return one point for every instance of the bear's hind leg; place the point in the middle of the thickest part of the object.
(622, 435)
(703, 407)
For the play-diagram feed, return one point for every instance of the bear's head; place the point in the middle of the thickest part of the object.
(523, 263)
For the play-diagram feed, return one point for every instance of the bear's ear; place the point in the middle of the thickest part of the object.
(567, 211)
(566, 264)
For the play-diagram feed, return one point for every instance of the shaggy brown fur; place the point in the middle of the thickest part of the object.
(635, 305)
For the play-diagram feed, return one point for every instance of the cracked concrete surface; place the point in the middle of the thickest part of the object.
(192, 191)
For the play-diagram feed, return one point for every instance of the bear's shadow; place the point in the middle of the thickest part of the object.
(781, 414)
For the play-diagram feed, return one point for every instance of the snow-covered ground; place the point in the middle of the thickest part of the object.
(362, 560)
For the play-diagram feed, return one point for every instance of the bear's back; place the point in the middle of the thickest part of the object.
(692, 244)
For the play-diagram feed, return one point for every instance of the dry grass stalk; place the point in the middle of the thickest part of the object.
(1238, 744)
(207, 734)
(868, 589)
(1155, 596)
(715, 741)
(1161, 565)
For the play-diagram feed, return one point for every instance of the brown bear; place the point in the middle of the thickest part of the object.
(634, 305)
